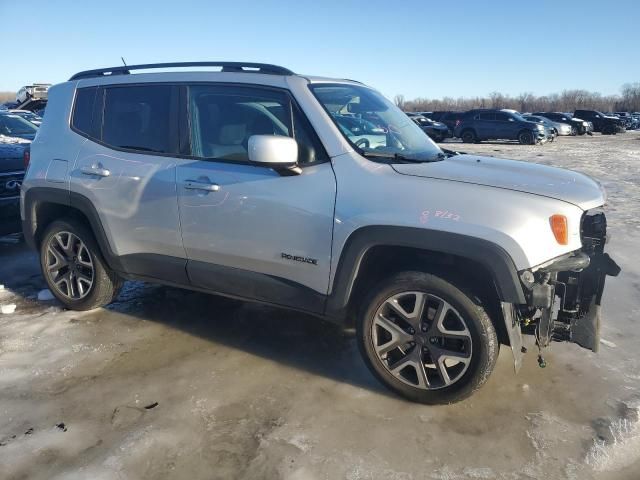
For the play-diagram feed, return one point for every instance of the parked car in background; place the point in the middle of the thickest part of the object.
(437, 131)
(28, 116)
(558, 128)
(626, 118)
(449, 118)
(12, 162)
(579, 125)
(606, 124)
(490, 124)
(12, 125)
(36, 91)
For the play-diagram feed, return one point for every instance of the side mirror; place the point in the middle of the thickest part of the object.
(275, 151)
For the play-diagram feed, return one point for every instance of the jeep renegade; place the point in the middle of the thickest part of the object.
(245, 182)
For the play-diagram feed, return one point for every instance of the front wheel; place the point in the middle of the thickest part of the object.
(425, 339)
(73, 267)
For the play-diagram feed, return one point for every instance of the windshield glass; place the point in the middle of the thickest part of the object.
(374, 125)
(14, 125)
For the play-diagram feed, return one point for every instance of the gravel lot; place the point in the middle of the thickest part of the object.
(167, 383)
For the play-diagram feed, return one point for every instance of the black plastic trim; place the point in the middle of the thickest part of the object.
(255, 286)
(493, 257)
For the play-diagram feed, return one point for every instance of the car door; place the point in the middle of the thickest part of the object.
(248, 230)
(485, 125)
(506, 126)
(126, 172)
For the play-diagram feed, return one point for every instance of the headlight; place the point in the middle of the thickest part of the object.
(585, 124)
(540, 127)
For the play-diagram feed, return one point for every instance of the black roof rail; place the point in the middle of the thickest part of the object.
(226, 67)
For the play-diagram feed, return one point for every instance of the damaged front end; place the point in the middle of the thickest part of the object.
(564, 295)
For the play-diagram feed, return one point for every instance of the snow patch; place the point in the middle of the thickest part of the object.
(45, 295)
(617, 445)
(8, 309)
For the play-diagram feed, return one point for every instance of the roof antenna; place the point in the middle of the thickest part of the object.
(125, 63)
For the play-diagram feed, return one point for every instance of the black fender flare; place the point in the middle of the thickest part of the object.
(36, 196)
(493, 257)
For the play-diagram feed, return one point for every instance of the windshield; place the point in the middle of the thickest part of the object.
(381, 128)
(14, 125)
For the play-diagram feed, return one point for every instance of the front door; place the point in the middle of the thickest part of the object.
(247, 230)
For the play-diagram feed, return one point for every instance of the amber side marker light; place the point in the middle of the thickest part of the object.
(559, 228)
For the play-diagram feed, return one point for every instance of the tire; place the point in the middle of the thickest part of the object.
(468, 136)
(526, 138)
(85, 281)
(574, 131)
(474, 346)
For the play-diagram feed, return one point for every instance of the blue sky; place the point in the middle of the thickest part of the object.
(415, 48)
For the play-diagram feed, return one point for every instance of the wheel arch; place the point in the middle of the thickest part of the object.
(375, 251)
(43, 205)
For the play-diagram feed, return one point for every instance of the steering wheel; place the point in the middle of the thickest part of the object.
(363, 143)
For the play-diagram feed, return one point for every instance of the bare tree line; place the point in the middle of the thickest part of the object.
(7, 97)
(567, 101)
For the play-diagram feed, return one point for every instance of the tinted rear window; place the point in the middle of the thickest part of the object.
(83, 109)
(138, 118)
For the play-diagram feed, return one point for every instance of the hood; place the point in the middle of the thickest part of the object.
(551, 182)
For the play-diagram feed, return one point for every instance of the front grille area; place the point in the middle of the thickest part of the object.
(593, 231)
(10, 184)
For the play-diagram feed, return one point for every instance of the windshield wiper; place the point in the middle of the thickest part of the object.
(142, 149)
(399, 158)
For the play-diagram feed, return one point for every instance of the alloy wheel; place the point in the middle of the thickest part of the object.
(69, 265)
(421, 340)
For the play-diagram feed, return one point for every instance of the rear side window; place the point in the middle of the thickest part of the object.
(138, 118)
(83, 110)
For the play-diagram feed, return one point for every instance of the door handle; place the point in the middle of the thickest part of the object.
(207, 187)
(95, 170)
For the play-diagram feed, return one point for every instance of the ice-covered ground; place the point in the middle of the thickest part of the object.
(174, 384)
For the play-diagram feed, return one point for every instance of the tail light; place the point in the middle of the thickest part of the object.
(26, 157)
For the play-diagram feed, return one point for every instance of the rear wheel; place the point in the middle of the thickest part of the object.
(525, 138)
(468, 136)
(73, 267)
(425, 339)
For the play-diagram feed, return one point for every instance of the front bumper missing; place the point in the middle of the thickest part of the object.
(564, 295)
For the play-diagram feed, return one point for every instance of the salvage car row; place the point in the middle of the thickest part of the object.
(528, 129)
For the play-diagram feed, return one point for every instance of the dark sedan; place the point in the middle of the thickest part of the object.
(437, 131)
(12, 162)
(12, 125)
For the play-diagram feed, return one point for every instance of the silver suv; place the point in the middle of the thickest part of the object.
(248, 182)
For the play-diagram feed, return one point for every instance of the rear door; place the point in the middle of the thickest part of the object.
(248, 230)
(126, 170)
